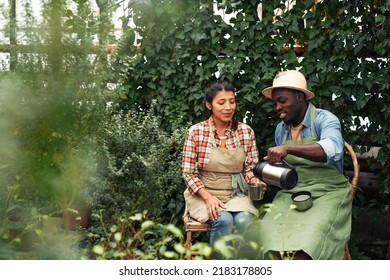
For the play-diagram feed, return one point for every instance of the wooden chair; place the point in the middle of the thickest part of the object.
(191, 225)
(354, 183)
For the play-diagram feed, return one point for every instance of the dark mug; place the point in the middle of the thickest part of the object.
(281, 174)
(255, 191)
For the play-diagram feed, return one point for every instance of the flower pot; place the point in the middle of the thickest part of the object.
(77, 217)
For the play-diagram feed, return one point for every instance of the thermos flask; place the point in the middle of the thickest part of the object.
(281, 174)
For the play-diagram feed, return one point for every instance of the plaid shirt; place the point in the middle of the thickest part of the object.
(197, 149)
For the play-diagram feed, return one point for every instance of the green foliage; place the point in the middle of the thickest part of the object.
(175, 65)
(140, 168)
(52, 100)
(237, 247)
(136, 238)
(345, 60)
(347, 66)
(53, 103)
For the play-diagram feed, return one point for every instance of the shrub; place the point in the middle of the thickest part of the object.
(135, 237)
(139, 168)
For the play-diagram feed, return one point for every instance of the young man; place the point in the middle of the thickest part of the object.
(309, 139)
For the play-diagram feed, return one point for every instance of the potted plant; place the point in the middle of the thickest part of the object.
(73, 193)
(77, 216)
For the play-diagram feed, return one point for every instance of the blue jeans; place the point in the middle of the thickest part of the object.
(229, 223)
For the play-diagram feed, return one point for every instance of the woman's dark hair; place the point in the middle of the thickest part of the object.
(211, 91)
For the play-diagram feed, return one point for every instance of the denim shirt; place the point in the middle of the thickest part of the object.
(327, 130)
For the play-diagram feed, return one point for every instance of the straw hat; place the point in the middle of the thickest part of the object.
(289, 79)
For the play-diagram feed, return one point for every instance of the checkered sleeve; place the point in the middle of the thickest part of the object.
(190, 160)
(251, 151)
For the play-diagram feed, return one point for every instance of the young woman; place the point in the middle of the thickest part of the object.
(218, 159)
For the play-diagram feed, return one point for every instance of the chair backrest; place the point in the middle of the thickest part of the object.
(356, 168)
(354, 183)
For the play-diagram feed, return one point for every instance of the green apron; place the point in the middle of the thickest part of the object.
(323, 230)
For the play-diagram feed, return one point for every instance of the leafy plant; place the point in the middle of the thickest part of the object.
(21, 218)
(135, 237)
(344, 58)
(52, 99)
(139, 168)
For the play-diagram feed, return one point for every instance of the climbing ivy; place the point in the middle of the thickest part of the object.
(181, 46)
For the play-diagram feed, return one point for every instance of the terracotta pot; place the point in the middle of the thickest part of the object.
(73, 220)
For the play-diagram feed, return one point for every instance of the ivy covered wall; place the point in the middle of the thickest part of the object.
(341, 46)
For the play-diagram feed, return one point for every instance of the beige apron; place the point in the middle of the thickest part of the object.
(220, 179)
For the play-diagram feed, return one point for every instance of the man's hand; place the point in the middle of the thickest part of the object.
(275, 154)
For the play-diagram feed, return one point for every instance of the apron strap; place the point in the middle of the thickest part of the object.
(213, 142)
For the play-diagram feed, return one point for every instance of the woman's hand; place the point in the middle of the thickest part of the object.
(255, 180)
(213, 205)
